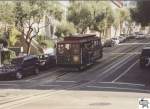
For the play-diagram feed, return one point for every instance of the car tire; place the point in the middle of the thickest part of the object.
(81, 68)
(18, 75)
(36, 70)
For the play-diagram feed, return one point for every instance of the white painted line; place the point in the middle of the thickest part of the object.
(50, 85)
(126, 53)
(129, 84)
(126, 71)
(123, 83)
(67, 81)
(7, 84)
(134, 89)
(115, 66)
(134, 44)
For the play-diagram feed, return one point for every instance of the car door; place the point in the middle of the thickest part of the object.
(27, 66)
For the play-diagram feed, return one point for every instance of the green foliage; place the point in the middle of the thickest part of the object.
(79, 14)
(45, 42)
(97, 15)
(7, 56)
(64, 29)
(14, 36)
(48, 43)
(54, 9)
(6, 12)
(123, 14)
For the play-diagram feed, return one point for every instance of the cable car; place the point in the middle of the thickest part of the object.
(79, 51)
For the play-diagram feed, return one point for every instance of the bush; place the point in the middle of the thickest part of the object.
(14, 36)
(7, 56)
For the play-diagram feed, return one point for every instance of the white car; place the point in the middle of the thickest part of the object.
(140, 36)
(116, 40)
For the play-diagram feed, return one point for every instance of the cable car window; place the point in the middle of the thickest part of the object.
(61, 48)
(75, 48)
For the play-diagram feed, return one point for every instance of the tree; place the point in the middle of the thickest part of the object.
(79, 14)
(14, 36)
(6, 19)
(141, 13)
(65, 28)
(123, 17)
(97, 15)
(54, 15)
(28, 16)
(6, 13)
(102, 17)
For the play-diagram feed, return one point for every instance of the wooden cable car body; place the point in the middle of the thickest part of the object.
(78, 51)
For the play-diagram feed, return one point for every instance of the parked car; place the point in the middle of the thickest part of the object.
(103, 42)
(109, 43)
(46, 61)
(140, 36)
(116, 41)
(131, 36)
(122, 39)
(20, 67)
(145, 57)
(123, 35)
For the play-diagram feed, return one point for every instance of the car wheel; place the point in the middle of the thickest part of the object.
(37, 71)
(19, 75)
(81, 68)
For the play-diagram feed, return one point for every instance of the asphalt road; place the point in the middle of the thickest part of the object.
(118, 71)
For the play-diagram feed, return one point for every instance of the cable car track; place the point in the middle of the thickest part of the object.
(45, 94)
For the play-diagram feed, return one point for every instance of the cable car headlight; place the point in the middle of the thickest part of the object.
(76, 58)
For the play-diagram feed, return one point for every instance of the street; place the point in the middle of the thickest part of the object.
(118, 71)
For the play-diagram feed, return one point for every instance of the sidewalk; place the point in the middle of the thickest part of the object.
(64, 99)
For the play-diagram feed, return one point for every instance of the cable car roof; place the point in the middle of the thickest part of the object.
(79, 38)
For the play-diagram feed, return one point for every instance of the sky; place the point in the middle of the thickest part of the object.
(66, 3)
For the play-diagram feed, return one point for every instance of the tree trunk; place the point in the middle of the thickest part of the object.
(28, 48)
(121, 23)
(128, 29)
(115, 32)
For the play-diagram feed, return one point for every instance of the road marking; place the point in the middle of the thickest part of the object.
(67, 81)
(7, 84)
(50, 85)
(123, 83)
(116, 66)
(134, 44)
(130, 84)
(133, 89)
(126, 71)
(127, 53)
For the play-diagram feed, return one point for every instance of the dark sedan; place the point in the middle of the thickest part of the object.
(47, 61)
(20, 67)
(145, 57)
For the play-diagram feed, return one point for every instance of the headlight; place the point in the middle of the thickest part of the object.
(76, 58)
